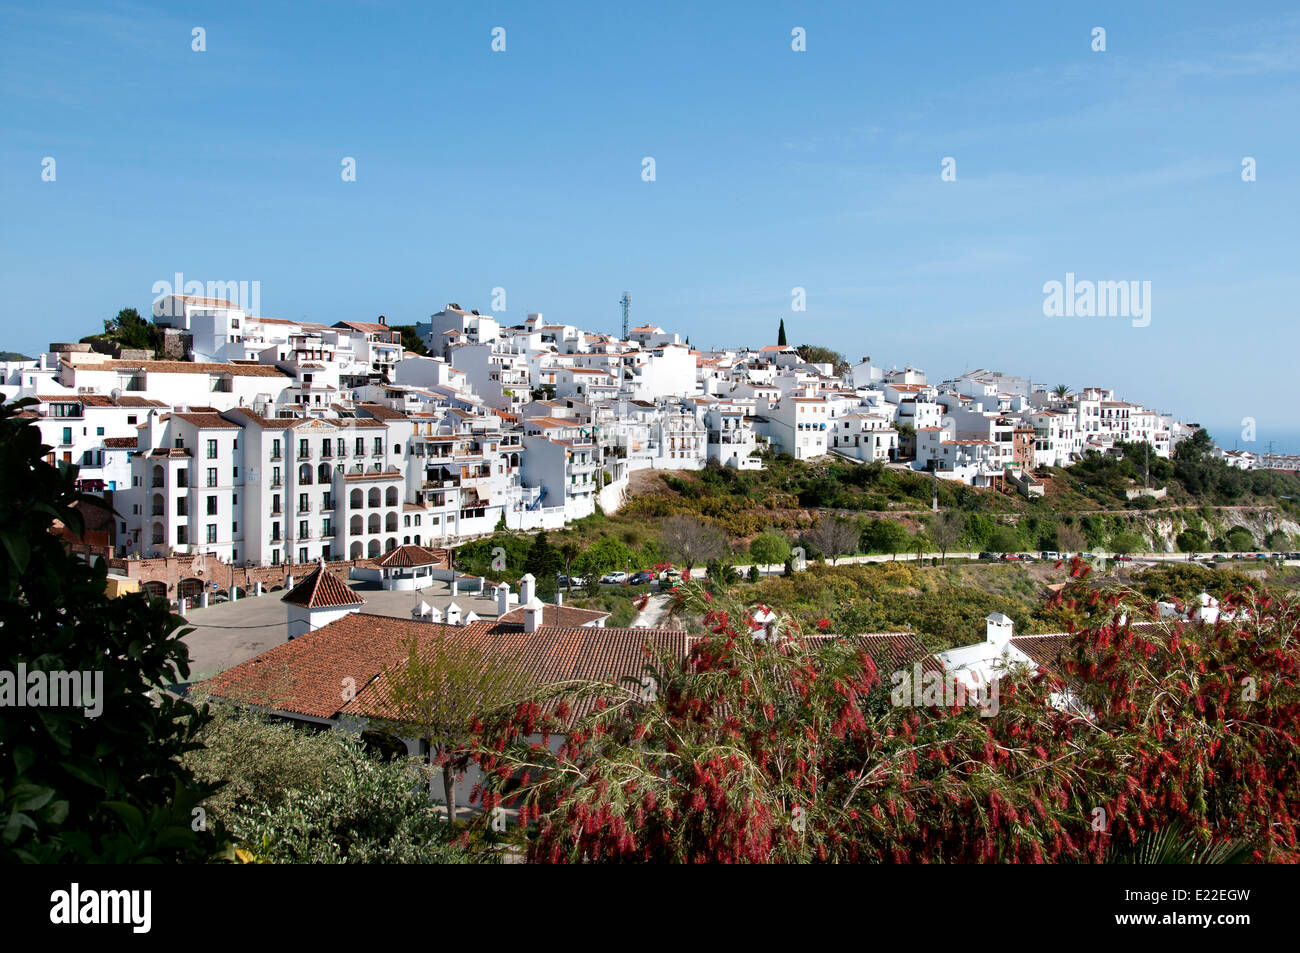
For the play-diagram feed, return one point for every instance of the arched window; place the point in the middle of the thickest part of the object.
(355, 550)
(374, 524)
(390, 496)
(373, 548)
(374, 496)
(304, 474)
(390, 523)
(357, 526)
(390, 545)
(323, 473)
(356, 499)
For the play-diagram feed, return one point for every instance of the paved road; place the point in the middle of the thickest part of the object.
(232, 632)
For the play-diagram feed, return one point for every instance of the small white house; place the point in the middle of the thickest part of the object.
(318, 600)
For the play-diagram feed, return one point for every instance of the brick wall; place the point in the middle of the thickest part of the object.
(170, 570)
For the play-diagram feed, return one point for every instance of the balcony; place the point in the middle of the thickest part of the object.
(305, 508)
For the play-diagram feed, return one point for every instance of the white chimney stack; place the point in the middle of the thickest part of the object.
(559, 597)
(527, 588)
(503, 598)
(999, 629)
(452, 615)
(533, 610)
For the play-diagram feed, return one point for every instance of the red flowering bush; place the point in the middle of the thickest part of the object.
(786, 750)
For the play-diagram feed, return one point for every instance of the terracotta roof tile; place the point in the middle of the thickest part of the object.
(322, 590)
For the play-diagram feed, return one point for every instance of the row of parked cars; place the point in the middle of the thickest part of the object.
(669, 577)
(1046, 555)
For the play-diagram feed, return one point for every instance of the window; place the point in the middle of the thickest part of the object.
(236, 446)
(99, 431)
(180, 444)
(361, 443)
(303, 504)
(212, 476)
(275, 476)
(234, 499)
(328, 528)
(275, 449)
(234, 476)
(180, 536)
(275, 557)
(275, 532)
(130, 418)
(212, 450)
(67, 436)
(302, 554)
(212, 506)
(327, 501)
(182, 477)
(304, 448)
(275, 503)
(379, 445)
(342, 446)
(212, 532)
(303, 532)
(234, 529)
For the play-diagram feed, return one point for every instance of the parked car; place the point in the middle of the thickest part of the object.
(988, 556)
(614, 578)
(572, 582)
(1010, 557)
(1050, 555)
(1124, 558)
(670, 577)
(1219, 556)
(1026, 557)
(641, 578)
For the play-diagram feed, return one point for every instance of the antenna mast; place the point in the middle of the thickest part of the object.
(626, 301)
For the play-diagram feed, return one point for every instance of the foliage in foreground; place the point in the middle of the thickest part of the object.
(302, 797)
(76, 788)
(783, 750)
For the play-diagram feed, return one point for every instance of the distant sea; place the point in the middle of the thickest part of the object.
(1228, 436)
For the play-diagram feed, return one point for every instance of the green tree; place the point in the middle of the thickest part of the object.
(780, 334)
(102, 781)
(410, 340)
(606, 555)
(323, 797)
(1004, 540)
(884, 536)
(437, 691)
(823, 355)
(1240, 539)
(1192, 541)
(769, 548)
(543, 560)
(129, 330)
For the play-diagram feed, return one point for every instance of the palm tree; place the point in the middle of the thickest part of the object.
(1061, 390)
(1175, 845)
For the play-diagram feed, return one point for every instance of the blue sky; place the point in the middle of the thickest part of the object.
(775, 169)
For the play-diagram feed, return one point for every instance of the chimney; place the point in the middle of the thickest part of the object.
(452, 615)
(503, 598)
(999, 629)
(533, 610)
(559, 597)
(527, 588)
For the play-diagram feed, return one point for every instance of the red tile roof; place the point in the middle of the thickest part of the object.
(556, 615)
(405, 557)
(322, 590)
(305, 675)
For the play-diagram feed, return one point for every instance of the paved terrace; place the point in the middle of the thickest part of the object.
(232, 632)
